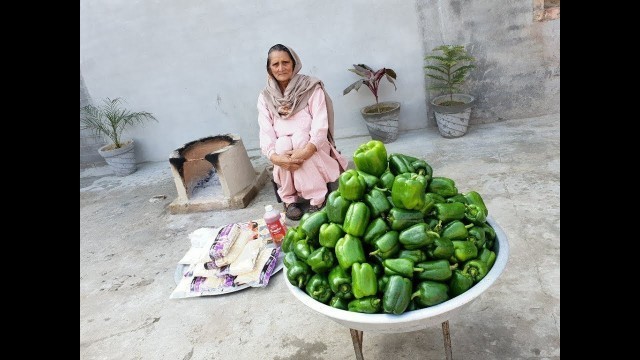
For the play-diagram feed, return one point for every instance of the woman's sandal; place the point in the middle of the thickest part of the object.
(293, 211)
(314, 208)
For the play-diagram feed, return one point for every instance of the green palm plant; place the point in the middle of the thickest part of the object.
(449, 70)
(111, 119)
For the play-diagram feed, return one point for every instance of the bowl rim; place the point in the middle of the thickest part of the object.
(502, 258)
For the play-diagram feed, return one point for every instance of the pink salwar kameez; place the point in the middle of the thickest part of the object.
(307, 125)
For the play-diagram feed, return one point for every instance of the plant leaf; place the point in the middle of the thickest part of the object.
(356, 85)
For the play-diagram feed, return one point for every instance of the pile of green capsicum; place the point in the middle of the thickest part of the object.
(392, 238)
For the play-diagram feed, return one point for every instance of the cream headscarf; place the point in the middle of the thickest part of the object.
(296, 95)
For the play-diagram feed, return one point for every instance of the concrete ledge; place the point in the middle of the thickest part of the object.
(239, 201)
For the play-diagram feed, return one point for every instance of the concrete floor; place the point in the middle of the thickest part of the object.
(130, 245)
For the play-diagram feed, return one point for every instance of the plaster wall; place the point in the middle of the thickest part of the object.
(517, 72)
(89, 142)
(198, 66)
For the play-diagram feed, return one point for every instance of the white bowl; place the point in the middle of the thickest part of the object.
(417, 319)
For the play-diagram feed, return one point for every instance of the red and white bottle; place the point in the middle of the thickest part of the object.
(276, 228)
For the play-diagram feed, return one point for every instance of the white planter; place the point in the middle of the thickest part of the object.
(453, 121)
(122, 161)
(382, 126)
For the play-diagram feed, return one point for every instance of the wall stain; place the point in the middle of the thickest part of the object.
(456, 7)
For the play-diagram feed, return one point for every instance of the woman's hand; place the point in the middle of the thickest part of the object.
(286, 161)
(293, 159)
(306, 152)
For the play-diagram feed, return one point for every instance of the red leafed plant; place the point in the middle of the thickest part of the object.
(371, 78)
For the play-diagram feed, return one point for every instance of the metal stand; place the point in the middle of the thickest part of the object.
(356, 337)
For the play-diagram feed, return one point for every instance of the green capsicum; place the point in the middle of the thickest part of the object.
(369, 179)
(397, 296)
(477, 237)
(377, 202)
(348, 251)
(474, 214)
(474, 198)
(303, 219)
(433, 223)
(383, 281)
(414, 255)
(401, 163)
(303, 248)
(421, 167)
(339, 303)
(436, 270)
(430, 293)
(490, 236)
(311, 226)
(459, 283)
(457, 198)
(398, 164)
(442, 186)
(417, 236)
(363, 280)
(318, 288)
(357, 219)
(437, 198)
(476, 268)
(378, 269)
(490, 233)
(289, 239)
(488, 257)
(371, 157)
(456, 230)
(386, 180)
(386, 245)
(351, 185)
(376, 228)
(321, 260)
(340, 283)
(412, 306)
(464, 250)
(402, 267)
(299, 273)
(367, 305)
(429, 202)
(400, 219)
(442, 248)
(289, 259)
(336, 207)
(489, 244)
(329, 234)
(407, 191)
(447, 212)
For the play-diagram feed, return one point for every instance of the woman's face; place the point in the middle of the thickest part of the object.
(281, 66)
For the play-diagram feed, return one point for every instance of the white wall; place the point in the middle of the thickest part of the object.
(198, 66)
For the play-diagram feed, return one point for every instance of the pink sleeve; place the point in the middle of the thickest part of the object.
(320, 119)
(267, 133)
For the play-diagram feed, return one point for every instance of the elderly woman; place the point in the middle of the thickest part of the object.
(295, 115)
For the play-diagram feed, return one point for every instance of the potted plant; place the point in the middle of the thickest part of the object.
(109, 121)
(382, 117)
(449, 70)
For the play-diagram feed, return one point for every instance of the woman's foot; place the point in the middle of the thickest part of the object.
(314, 208)
(293, 211)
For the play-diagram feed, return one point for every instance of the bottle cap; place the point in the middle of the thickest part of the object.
(268, 208)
